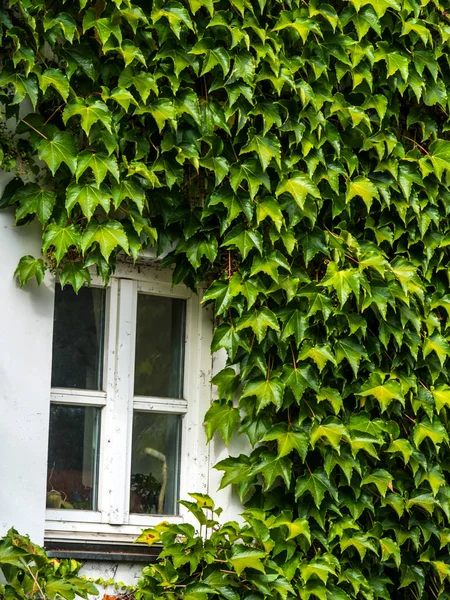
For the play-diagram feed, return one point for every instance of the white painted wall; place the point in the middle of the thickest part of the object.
(26, 323)
(26, 318)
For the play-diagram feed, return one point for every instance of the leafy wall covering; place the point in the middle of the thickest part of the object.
(297, 154)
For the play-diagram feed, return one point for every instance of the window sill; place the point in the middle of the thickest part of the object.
(102, 551)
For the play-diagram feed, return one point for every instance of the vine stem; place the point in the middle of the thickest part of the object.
(34, 129)
(36, 581)
(293, 356)
(417, 144)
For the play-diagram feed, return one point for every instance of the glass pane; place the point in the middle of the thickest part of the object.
(154, 463)
(78, 332)
(159, 347)
(73, 457)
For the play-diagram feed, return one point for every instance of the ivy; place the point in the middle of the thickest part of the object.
(295, 156)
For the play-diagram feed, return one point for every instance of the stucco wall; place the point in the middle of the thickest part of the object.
(26, 318)
(26, 321)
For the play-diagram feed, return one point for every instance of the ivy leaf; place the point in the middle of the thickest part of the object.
(402, 446)
(269, 208)
(299, 185)
(381, 478)
(161, 110)
(441, 395)
(344, 282)
(269, 264)
(56, 79)
(34, 200)
(289, 439)
(272, 466)
(385, 392)
(57, 149)
(28, 268)
(128, 189)
(438, 344)
(332, 430)
(101, 164)
(360, 542)
(434, 430)
(61, 238)
(88, 196)
(266, 391)
(317, 484)
(223, 418)
(299, 379)
(364, 188)
(351, 351)
(196, 248)
(244, 239)
(439, 155)
(75, 273)
(246, 557)
(90, 111)
(259, 321)
(266, 147)
(107, 235)
(218, 165)
(320, 354)
(225, 336)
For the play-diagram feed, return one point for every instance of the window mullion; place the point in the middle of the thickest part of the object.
(115, 442)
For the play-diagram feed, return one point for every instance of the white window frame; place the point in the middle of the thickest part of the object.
(112, 521)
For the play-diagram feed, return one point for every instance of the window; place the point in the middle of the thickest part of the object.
(130, 385)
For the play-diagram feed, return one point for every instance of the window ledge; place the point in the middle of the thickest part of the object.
(101, 551)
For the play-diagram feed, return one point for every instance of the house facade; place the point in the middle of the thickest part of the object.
(102, 399)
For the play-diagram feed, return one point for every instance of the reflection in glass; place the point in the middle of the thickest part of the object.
(159, 347)
(155, 463)
(73, 457)
(78, 333)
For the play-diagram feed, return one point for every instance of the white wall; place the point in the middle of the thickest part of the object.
(26, 317)
(26, 322)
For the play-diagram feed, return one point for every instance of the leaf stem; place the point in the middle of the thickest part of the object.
(34, 129)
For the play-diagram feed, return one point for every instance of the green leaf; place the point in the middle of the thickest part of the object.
(89, 197)
(246, 557)
(223, 418)
(333, 430)
(218, 165)
(320, 354)
(438, 344)
(439, 154)
(299, 379)
(61, 238)
(381, 478)
(434, 430)
(299, 185)
(269, 208)
(57, 149)
(344, 282)
(351, 351)
(244, 239)
(385, 392)
(272, 466)
(402, 446)
(28, 268)
(101, 164)
(225, 336)
(56, 79)
(34, 200)
(289, 439)
(265, 391)
(108, 235)
(317, 484)
(364, 188)
(267, 147)
(90, 111)
(259, 321)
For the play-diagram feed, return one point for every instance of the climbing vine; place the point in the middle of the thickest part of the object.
(296, 154)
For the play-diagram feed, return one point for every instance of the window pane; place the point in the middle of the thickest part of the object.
(78, 332)
(159, 347)
(73, 457)
(155, 463)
